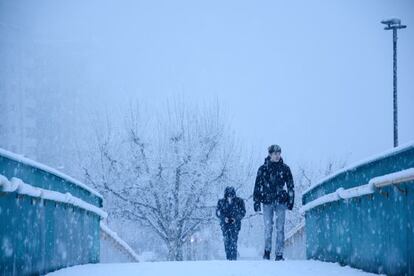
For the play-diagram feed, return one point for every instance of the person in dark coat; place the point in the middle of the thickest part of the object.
(230, 210)
(269, 189)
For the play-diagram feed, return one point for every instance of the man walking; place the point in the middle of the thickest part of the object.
(269, 189)
(230, 210)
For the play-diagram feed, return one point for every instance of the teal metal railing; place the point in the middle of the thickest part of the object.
(370, 230)
(47, 219)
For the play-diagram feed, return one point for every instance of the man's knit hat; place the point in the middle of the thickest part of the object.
(274, 148)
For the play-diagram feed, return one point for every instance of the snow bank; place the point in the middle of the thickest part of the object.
(29, 162)
(18, 186)
(119, 241)
(216, 268)
(362, 162)
(376, 182)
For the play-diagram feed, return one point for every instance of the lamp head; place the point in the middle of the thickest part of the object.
(393, 23)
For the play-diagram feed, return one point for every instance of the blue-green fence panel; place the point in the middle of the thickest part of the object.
(38, 236)
(372, 232)
(34, 176)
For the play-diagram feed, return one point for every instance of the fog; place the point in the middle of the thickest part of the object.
(314, 77)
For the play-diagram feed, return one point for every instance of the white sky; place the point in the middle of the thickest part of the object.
(312, 76)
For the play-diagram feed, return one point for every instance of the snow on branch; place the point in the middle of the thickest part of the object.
(163, 176)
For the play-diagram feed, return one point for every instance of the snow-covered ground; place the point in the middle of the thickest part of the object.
(212, 268)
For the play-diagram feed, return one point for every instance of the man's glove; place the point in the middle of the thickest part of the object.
(229, 220)
(257, 207)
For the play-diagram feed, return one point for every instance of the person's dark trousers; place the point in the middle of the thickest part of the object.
(230, 235)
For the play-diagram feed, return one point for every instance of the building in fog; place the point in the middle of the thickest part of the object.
(18, 103)
(41, 89)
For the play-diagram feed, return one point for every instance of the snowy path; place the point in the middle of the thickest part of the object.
(215, 268)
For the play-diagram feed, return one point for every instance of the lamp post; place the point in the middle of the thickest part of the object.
(394, 24)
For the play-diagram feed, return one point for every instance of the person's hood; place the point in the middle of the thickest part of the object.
(268, 162)
(229, 192)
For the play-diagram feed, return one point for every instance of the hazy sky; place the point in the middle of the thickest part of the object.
(312, 76)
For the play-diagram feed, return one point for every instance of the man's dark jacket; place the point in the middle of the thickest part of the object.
(270, 181)
(231, 209)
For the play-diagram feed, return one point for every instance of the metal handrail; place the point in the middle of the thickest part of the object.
(16, 185)
(120, 242)
(375, 183)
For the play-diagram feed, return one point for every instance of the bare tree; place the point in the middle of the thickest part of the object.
(305, 176)
(166, 173)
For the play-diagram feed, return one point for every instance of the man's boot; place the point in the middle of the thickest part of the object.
(266, 255)
(279, 258)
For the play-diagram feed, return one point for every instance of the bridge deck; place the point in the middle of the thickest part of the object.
(216, 268)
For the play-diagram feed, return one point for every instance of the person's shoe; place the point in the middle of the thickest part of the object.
(279, 258)
(266, 255)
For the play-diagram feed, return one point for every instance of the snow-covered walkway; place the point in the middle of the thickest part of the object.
(212, 268)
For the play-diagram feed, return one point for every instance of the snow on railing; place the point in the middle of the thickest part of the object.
(26, 161)
(376, 182)
(18, 186)
(393, 178)
(114, 236)
(295, 242)
(295, 230)
(360, 163)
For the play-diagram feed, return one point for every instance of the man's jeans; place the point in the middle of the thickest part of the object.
(268, 211)
(230, 235)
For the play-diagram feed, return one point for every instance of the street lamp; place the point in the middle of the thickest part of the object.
(394, 24)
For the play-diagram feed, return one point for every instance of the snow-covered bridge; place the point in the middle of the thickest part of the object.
(362, 216)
